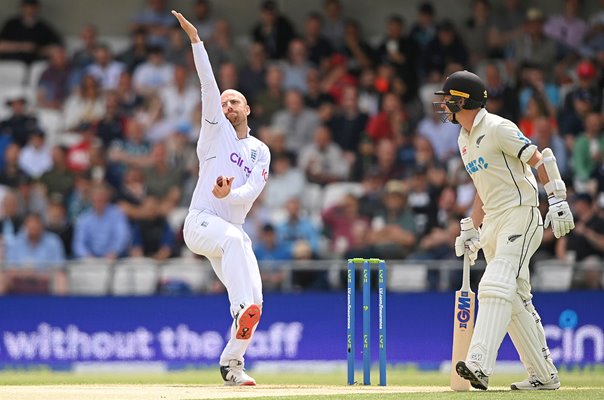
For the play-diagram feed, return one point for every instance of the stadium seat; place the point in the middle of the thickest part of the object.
(12, 73)
(89, 277)
(35, 71)
(407, 278)
(552, 276)
(51, 122)
(195, 273)
(334, 192)
(135, 277)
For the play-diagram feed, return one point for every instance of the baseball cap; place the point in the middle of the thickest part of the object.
(586, 70)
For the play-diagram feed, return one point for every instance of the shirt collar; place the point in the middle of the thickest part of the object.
(477, 119)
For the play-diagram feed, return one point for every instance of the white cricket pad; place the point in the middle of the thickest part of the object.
(528, 336)
(495, 293)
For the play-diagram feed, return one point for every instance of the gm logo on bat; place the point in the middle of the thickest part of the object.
(463, 310)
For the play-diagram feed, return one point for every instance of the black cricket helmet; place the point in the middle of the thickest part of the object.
(460, 85)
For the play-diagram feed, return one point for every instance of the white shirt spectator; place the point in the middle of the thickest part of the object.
(179, 106)
(442, 137)
(35, 158)
(148, 76)
(107, 76)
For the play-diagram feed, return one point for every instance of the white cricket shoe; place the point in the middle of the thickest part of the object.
(471, 372)
(533, 383)
(234, 374)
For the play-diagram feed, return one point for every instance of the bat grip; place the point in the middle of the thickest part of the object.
(465, 283)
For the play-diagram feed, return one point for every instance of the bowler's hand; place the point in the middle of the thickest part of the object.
(223, 190)
(188, 27)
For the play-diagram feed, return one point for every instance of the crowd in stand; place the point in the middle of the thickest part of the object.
(361, 166)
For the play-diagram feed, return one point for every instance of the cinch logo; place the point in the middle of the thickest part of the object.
(574, 343)
(476, 165)
(239, 161)
(463, 310)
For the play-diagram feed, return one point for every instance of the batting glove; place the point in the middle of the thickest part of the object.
(468, 242)
(559, 216)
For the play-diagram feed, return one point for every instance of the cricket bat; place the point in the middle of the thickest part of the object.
(463, 326)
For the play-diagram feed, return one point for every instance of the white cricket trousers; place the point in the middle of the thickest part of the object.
(229, 250)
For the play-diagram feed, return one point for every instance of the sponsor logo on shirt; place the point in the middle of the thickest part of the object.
(240, 162)
(523, 138)
(477, 165)
(479, 140)
(265, 174)
(464, 151)
(253, 155)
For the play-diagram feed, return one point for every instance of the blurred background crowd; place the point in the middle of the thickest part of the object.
(97, 138)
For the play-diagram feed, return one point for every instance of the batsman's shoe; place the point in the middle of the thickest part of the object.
(246, 320)
(533, 383)
(234, 374)
(472, 373)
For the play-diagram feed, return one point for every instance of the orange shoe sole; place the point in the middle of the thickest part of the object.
(247, 321)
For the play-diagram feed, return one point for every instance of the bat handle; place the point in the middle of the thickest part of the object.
(465, 283)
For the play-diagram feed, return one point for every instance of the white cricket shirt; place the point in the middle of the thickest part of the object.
(495, 154)
(220, 152)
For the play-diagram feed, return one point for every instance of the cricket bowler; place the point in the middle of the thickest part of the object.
(233, 170)
(499, 158)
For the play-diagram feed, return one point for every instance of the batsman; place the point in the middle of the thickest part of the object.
(507, 226)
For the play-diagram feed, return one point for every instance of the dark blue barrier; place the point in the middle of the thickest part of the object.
(192, 330)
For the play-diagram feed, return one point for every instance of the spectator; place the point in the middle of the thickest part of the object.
(477, 31)
(286, 182)
(156, 20)
(78, 200)
(322, 160)
(10, 218)
(56, 81)
(58, 180)
(297, 120)
(587, 239)
(568, 29)
(163, 181)
(587, 151)
(33, 258)
(446, 47)
(270, 248)
(84, 106)
(79, 155)
(424, 29)
(358, 52)
(584, 98)
(102, 231)
(129, 101)
(132, 196)
(153, 74)
(536, 108)
(276, 141)
(35, 158)
(349, 123)
(296, 67)
(21, 122)
(136, 54)
(532, 47)
(537, 84)
(254, 71)
(318, 47)
(507, 26)
(222, 47)
(315, 97)
(298, 227)
(589, 274)
(228, 76)
(203, 20)
(111, 126)
(177, 51)
(26, 37)
(369, 99)
(57, 223)
(333, 24)
(152, 236)
(503, 99)
(11, 174)
(179, 99)
(393, 233)
(274, 31)
(83, 56)
(346, 227)
(105, 69)
(133, 150)
(390, 122)
(442, 137)
(422, 199)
